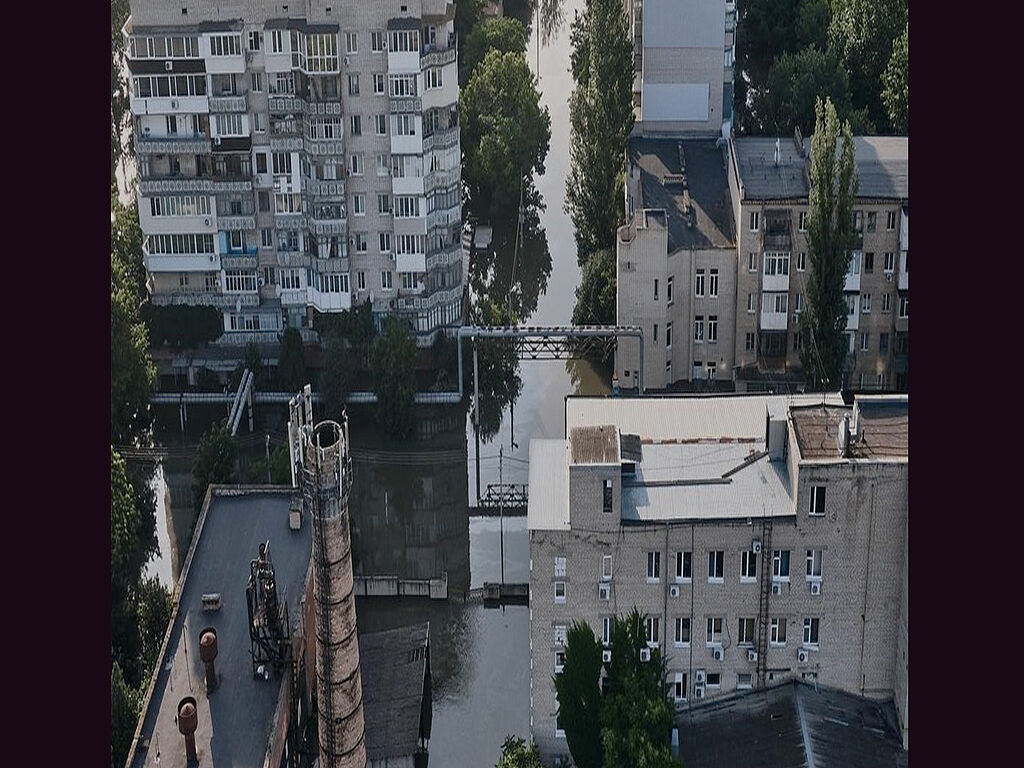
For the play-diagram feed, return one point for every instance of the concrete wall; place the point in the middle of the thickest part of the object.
(640, 260)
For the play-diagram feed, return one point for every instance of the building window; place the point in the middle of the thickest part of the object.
(351, 43)
(384, 241)
(817, 500)
(684, 566)
(267, 238)
(711, 370)
(716, 566)
(865, 338)
(713, 284)
(780, 565)
(652, 630)
(606, 630)
(751, 262)
(353, 84)
(698, 285)
(386, 280)
(383, 204)
(361, 280)
(698, 329)
(357, 124)
(714, 630)
(748, 342)
(606, 567)
(559, 591)
(225, 45)
(356, 164)
(653, 567)
(679, 686)
(883, 342)
(890, 220)
(606, 496)
(745, 634)
(865, 303)
(755, 221)
(811, 633)
(402, 86)
(743, 681)
(750, 303)
(432, 78)
(378, 84)
(655, 333)
(712, 329)
(359, 205)
(714, 679)
(869, 262)
(776, 263)
(380, 125)
(799, 303)
(404, 125)
(802, 221)
(801, 262)
(655, 289)
(257, 83)
(777, 632)
(668, 335)
(798, 342)
(682, 638)
(871, 221)
(559, 566)
(559, 662)
(668, 290)
(858, 220)
(814, 564)
(887, 302)
(904, 307)
(382, 164)
(890, 261)
(377, 42)
(748, 566)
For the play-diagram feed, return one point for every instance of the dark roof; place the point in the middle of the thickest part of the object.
(884, 429)
(882, 167)
(301, 25)
(236, 718)
(630, 448)
(708, 185)
(395, 671)
(791, 726)
(594, 445)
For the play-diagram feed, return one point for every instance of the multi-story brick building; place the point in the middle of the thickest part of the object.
(764, 537)
(300, 158)
(762, 281)
(683, 61)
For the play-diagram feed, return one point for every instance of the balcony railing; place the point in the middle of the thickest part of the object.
(441, 139)
(231, 103)
(198, 298)
(236, 222)
(432, 56)
(239, 261)
(173, 145)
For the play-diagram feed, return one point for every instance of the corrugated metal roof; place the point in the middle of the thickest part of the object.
(685, 417)
(594, 444)
(547, 508)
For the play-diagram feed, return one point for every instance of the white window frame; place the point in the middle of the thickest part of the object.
(679, 686)
(801, 261)
(777, 627)
(713, 557)
(698, 284)
(698, 329)
(752, 263)
(653, 567)
(560, 635)
(378, 41)
(865, 303)
(748, 567)
(683, 558)
(714, 637)
(653, 638)
(606, 568)
(560, 598)
(780, 556)
(890, 221)
(713, 284)
(740, 685)
(801, 221)
(606, 631)
(351, 42)
(889, 262)
(379, 84)
(387, 282)
(904, 311)
(358, 204)
(679, 623)
(668, 291)
(741, 625)
(755, 221)
(814, 556)
(812, 627)
(712, 329)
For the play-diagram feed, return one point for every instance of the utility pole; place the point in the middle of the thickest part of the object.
(268, 459)
(501, 513)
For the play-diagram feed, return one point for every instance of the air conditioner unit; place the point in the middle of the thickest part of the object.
(674, 590)
(604, 591)
(700, 676)
(645, 654)
(168, 66)
(174, 103)
(216, 141)
(346, 61)
(815, 587)
(698, 692)
(261, 280)
(206, 222)
(755, 546)
(211, 257)
(717, 652)
(802, 655)
(776, 587)
(751, 654)
(888, 277)
(606, 656)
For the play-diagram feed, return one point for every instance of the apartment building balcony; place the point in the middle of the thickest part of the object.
(230, 183)
(326, 108)
(773, 321)
(436, 56)
(154, 185)
(419, 289)
(903, 276)
(444, 217)
(775, 282)
(292, 105)
(196, 298)
(852, 282)
(169, 105)
(329, 302)
(853, 321)
(777, 235)
(413, 104)
(408, 185)
(296, 220)
(331, 264)
(287, 142)
(294, 259)
(325, 187)
(231, 144)
(235, 102)
(441, 139)
(239, 260)
(180, 262)
(445, 257)
(411, 262)
(247, 223)
(403, 62)
(294, 297)
(328, 147)
(440, 180)
(173, 145)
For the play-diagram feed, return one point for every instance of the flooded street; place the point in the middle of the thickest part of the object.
(410, 499)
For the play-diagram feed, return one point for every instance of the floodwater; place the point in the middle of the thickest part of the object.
(410, 500)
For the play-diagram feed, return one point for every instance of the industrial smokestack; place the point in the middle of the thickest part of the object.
(188, 721)
(208, 652)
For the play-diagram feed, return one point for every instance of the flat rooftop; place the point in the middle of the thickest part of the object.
(236, 718)
(708, 184)
(884, 429)
(882, 166)
(791, 726)
(547, 504)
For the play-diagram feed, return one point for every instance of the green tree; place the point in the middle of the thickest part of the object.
(504, 134)
(124, 716)
(132, 374)
(895, 88)
(515, 754)
(500, 34)
(280, 466)
(215, 460)
(794, 84)
(636, 714)
(830, 238)
(336, 376)
(578, 690)
(601, 118)
(182, 326)
(862, 33)
(253, 360)
(468, 13)
(393, 361)
(291, 362)
(153, 612)
(126, 242)
(595, 295)
(498, 362)
(119, 101)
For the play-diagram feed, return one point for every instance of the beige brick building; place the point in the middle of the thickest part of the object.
(760, 549)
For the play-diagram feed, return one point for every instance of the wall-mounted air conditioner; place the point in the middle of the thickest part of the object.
(606, 656)
(815, 587)
(755, 546)
(776, 587)
(674, 590)
(751, 654)
(168, 66)
(700, 676)
(604, 591)
(698, 692)
(645, 654)
(717, 652)
(802, 655)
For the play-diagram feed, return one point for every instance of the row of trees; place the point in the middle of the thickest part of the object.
(601, 118)
(791, 52)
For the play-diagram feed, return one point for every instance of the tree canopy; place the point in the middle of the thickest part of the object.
(291, 362)
(830, 239)
(595, 295)
(336, 375)
(505, 133)
(516, 754)
(215, 460)
(393, 368)
(132, 374)
(501, 34)
(895, 90)
(578, 689)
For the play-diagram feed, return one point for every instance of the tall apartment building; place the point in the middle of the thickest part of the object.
(763, 537)
(676, 263)
(761, 284)
(297, 158)
(684, 52)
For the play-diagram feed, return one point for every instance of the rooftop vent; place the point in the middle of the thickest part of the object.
(207, 653)
(188, 721)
